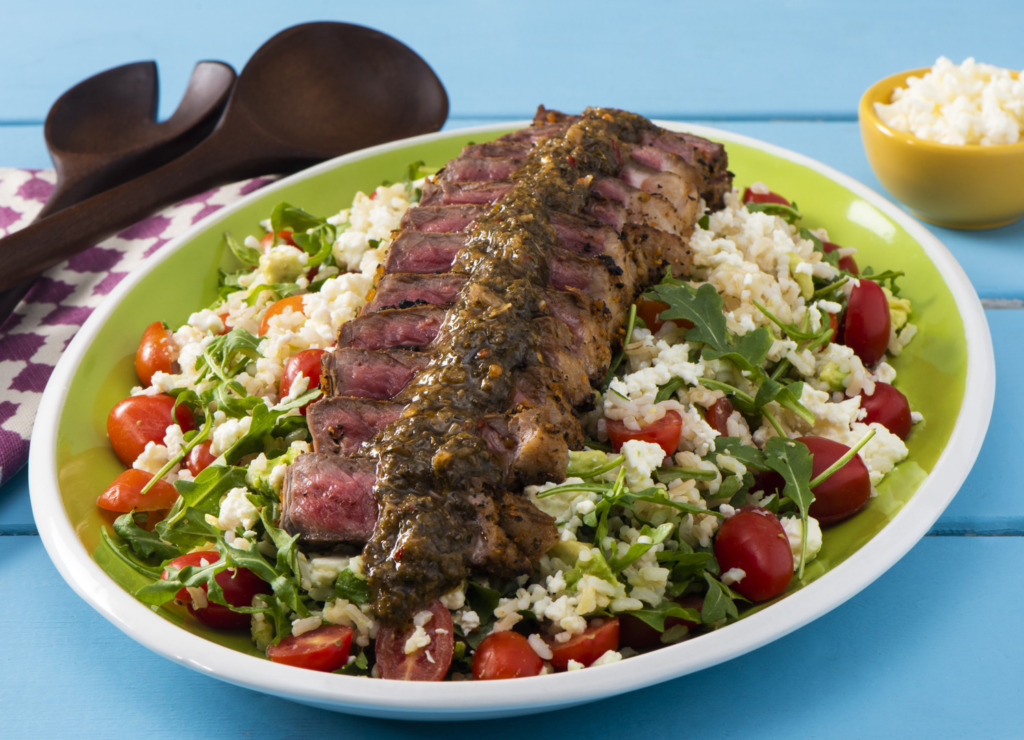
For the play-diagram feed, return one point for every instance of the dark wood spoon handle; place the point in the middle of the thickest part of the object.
(42, 244)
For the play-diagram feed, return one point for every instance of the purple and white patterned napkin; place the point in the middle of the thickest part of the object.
(34, 336)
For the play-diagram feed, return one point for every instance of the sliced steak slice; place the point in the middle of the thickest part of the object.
(328, 499)
(441, 218)
(370, 373)
(457, 192)
(419, 251)
(412, 328)
(474, 166)
(342, 425)
(403, 290)
(516, 149)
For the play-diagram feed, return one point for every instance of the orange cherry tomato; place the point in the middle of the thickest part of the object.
(291, 303)
(154, 353)
(125, 493)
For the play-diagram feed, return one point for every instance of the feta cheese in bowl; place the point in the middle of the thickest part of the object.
(969, 103)
(948, 142)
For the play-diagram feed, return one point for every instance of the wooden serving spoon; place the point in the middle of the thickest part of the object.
(103, 131)
(312, 92)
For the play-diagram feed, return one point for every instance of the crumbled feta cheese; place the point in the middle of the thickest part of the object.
(970, 103)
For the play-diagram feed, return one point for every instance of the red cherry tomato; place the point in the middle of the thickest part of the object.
(505, 655)
(888, 407)
(718, 414)
(666, 432)
(637, 634)
(754, 541)
(867, 325)
(282, 237)
(306, 362)
(600, 636)
(428, 663)
(239, 585)
(199, 458)
(833, 323)
(291, 303)
(324, 649)
(845, 263)
(125, 493)
(154, 353)
(140, 419)
(844, 492)
(749, 196)
(649, 310)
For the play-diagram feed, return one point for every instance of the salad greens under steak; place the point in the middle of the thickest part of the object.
(710, 422)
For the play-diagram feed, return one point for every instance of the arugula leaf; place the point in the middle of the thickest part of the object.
(718, 602)
(248, 256)
(351, 587)
(789, 214)
(144, 543)
(792, 460)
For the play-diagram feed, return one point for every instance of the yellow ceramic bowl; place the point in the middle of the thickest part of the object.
(962, 187)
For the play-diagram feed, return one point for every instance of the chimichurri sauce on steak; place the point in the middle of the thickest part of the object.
(553, 232)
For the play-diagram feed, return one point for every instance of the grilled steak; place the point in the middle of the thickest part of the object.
(462, 379)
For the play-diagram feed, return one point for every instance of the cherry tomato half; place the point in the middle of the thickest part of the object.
(750, 196)
(239, 585)
(306, 362)
(867, 324)
(666, 432)
(154, 353)
(718, 414)
(282, 237)
(637, 634)
(324, 649)
(649, 310)
(600, 636)
(428, 663)
(137, 420)
(199, 458)
(505, 655)
(847, 263)
(125, 494)
(754, 541)
(844, 492)
(888, 407)
(291, 303)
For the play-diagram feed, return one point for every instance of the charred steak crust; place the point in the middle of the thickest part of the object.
(462, 379)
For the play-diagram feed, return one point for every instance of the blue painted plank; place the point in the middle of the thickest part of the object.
(696, 60)
(15, 507)
(901, 659)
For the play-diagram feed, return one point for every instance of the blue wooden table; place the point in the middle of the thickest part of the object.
(932, 649)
